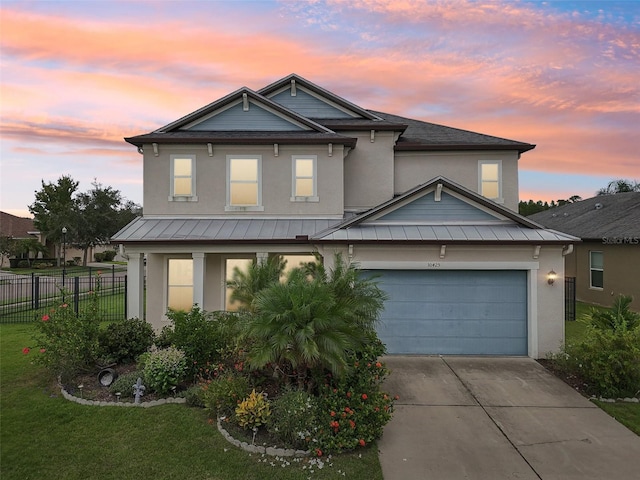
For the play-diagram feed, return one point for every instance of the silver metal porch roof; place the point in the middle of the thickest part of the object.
(145, 229)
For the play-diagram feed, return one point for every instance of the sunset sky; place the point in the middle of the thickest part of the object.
(78, 76)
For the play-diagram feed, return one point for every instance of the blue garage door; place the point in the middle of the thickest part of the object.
(454, 312)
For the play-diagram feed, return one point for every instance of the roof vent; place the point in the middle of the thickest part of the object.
(598, 206)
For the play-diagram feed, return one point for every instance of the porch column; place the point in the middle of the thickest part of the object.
(135, 286)
(262, 257)
(199, 272)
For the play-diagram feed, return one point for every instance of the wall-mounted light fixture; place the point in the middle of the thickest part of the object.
(551, 277)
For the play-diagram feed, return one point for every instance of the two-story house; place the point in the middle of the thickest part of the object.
(294, 169)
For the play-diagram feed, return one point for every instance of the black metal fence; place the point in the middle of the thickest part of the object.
(25, 298)
(569, 298)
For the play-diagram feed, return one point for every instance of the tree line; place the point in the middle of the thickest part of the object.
(615, 186)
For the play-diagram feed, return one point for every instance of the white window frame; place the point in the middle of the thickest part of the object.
(244, 208)
(481, 181)
(592, 269)
(171, 286)
(173, 197)
(294, 177)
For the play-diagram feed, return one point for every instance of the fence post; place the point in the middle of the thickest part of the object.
(76, 294)
(125, 297)
(35, 282)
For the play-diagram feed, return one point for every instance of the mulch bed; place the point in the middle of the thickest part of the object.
(93, 390)
(574, 381)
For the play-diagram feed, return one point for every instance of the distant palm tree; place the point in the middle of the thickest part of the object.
(619, 186)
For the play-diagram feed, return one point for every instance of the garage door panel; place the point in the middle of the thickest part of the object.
(454, 312)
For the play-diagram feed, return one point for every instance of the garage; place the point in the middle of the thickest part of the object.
(454, 312)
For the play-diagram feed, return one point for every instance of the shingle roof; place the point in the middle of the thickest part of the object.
(597, 217)
(15, 227)
(252, 138)
(421, 135)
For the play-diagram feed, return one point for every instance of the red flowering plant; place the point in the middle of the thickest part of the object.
(353, 408)
(68, 343)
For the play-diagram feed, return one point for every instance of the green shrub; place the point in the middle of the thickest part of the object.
(98, 256)
(109, 255)
(68, 342)
(608, 360)
(24, 264)
(124, 383)
(165, 338)
(294, 418)
(163, 369)
(254, 411)
(194, 396)
(124, 341)
(202, 336)
(223, 393)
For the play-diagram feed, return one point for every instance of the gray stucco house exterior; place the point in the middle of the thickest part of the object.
(293, 169)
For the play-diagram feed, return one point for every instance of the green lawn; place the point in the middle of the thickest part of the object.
(626, 413)
(44, 436)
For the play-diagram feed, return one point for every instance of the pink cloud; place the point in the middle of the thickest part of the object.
(562, 81)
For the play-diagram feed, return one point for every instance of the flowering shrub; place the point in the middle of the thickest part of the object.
(163, 369)
(253, 411)
(68, 342)
(353, 410)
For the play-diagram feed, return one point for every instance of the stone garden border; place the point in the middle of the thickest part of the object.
(152, 403)
(247, 447)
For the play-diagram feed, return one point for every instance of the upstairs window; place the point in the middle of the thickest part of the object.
(183, 184)
(244, 191)
(180, 284)
(596, 268)
(490, 180)
(304, 185)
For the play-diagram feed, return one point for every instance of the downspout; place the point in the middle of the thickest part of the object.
(567, 250)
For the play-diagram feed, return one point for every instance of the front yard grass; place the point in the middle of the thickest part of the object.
(626, 413)
(43, 435)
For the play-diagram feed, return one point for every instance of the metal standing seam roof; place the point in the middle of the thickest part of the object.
(288, 230)
(219, 230)
(507, 233)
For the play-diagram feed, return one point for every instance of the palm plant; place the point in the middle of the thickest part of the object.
(618, 317)
(313, 321)
(246, 284)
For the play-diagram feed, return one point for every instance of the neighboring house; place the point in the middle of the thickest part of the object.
(607, 262)
(17, 228)
(294, 169)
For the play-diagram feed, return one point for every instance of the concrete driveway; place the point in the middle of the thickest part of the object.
(497, 418)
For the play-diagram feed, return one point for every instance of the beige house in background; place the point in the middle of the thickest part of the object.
(295, 170)
(607, 261)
